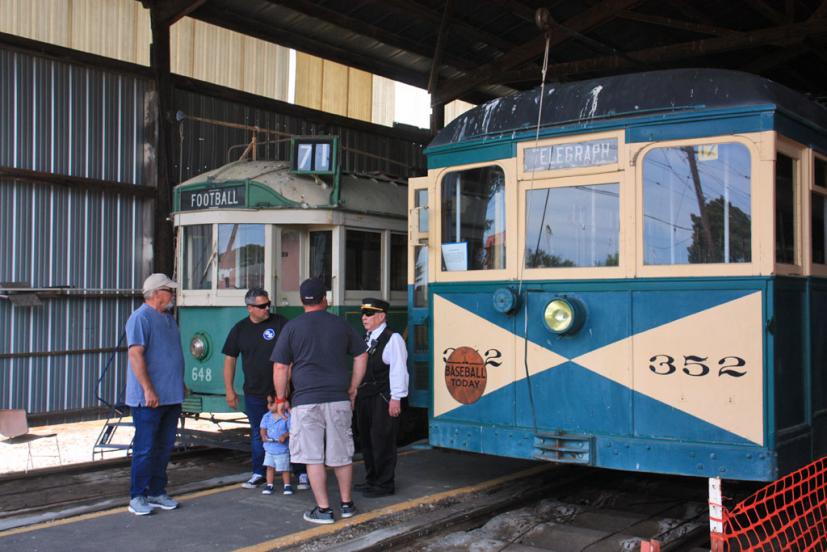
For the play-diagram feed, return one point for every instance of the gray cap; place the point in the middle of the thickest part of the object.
(158, 281)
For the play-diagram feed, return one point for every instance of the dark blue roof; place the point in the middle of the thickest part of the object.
(676, 90)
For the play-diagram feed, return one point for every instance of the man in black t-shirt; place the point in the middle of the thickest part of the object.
(253, 337)
(319, 346)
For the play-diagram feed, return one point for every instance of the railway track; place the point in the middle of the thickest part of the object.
(54, 493)
(568, 508)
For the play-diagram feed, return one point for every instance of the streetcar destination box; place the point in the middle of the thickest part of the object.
(231, 196)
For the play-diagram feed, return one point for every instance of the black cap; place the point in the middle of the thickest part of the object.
(311, 291)
(376, 305)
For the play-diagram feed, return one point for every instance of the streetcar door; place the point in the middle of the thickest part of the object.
(418, 321)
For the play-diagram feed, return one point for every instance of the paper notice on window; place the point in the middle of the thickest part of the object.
(455, 256)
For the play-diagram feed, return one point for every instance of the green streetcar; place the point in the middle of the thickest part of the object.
(272, 224)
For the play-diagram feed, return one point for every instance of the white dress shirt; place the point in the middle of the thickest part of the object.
(395, 355)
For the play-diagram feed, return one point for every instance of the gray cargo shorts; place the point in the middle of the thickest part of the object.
(321, 434)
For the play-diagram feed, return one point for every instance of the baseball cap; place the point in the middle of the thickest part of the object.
(311, 290)
(158, 281)
(375, 305)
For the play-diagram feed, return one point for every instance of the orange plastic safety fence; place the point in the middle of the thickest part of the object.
(788, 514)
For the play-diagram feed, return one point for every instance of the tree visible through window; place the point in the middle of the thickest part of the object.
(697, 205)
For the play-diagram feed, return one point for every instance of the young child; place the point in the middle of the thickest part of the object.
(275, 432)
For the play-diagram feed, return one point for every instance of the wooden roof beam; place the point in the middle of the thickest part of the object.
(668, 22)
(790, 34)
(410, 8)
(591, 18)
(316, 11)
(284, 37)
(170, 11)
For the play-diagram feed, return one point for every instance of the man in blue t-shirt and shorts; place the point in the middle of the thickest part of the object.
(154, 393)
(318, 345)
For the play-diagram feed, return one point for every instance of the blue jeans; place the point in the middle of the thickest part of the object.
(155, 430)
(255, 408)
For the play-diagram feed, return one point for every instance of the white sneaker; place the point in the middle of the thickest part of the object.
(304, 482)
(253, 482)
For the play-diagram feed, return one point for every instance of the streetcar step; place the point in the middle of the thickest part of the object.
(565, 448)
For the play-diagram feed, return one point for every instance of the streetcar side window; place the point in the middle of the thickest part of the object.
(240, 256)
(399, 262)
(321, 256)
(473, 219)
(363, 260)
(574, 226)
(784, 209)
(198, 248)
(818, 211)
(697, 205)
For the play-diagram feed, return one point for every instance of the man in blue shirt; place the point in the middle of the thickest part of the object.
(154, 393)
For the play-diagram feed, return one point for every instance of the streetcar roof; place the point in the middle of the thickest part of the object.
(623, 96)
(375, 194)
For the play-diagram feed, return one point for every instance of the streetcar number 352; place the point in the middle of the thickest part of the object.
(698, 366)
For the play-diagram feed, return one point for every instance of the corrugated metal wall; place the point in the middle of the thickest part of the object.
(61, 118)
(205, 146)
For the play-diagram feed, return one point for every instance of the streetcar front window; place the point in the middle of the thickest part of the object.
(697, 205)
(576, 226)
(363, 260)
(240, 256)
(473, 219)
(321, 257)
(198, 248)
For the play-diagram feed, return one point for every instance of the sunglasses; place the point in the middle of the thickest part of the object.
(369, 312)
(262, 306)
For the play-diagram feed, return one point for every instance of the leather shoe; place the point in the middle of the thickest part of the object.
(361, 486)
(376, 492)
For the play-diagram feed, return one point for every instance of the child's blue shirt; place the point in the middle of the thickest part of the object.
(276, 427)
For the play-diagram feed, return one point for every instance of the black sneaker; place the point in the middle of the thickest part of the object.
(348, 509)
(317, 516)
(376, 492)
(253, 482)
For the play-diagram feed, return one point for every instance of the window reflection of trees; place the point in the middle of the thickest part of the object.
(473, 212)
(240, 256)
(697, 205)
(572, 226)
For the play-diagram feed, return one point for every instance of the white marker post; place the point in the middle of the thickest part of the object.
(716, 515)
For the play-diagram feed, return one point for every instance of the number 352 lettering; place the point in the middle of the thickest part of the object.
(697, 366)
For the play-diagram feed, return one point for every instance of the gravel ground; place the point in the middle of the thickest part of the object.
(54, 445)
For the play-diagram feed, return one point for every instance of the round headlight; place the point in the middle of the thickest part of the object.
(563, 315)
(199, 348)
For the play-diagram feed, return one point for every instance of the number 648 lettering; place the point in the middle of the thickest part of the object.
(695, 366)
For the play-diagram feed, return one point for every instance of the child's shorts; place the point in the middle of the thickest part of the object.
(280, 462)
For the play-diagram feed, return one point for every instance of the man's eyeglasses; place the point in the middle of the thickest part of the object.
(262, 306)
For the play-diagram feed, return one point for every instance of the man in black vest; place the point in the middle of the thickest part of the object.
(379, 401)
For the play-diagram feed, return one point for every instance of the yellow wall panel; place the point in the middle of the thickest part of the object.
(43, 20)
(111, 28)
(308, 80)
(359, 94)
(334, 87)
(217, 55)
(383, 100)
(182, 47)
(265, 69)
